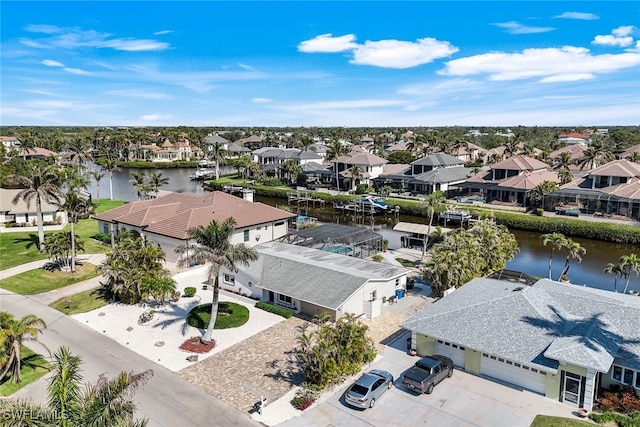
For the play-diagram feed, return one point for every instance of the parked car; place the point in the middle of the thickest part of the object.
(427, 373)
(369, 387)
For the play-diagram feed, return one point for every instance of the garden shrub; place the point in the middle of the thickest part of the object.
(377, 258)
(146, 316)
(280, 311)
(101, 237)
(230, 315)
(624, 401)
(189, 291)
(303, 399)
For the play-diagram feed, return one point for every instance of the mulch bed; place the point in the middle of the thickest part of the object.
(194, 345)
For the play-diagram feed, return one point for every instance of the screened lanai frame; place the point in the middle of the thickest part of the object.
(593, 202)
(337, 238)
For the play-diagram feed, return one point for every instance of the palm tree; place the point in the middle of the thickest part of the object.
(433, 203)
(110, 165)
(564, 161)
(40, 184)
(217, 153)
(597, 154)
(630, 264)
(565, 175)
(557, 241)
(80, 152)
(335, 151)
(156, 180)
(356, 174)
(574, 251)
(292, 169)
(618, 271)
(138, 180)
(212, 244)
(13, 333)
(76, 207)
(105, 403)
(97, 175)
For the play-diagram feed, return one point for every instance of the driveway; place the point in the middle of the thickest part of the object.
(463, 400)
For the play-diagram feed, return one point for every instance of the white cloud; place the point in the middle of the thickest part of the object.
(514, 27)
(552, 64)
(568, 77)
(155, 117)
(401, 54)
(578, 15)
(72, 38)
(162, 32)
(261, 100)
(620, 36)
(344, 105)
(138, 93)
(52, 63)
(326, 43)
(76, 71)
(49, 104)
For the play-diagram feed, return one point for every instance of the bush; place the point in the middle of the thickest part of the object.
(274, 182)
(146, 317)
(189, 291)
(362, 188)
(405, 262)
(230, 315)
(303, 399)
(101, 237)
(540, 212)
(624, 401)
(280, 311)
(377, 258)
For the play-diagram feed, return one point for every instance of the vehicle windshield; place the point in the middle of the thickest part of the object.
(358, 389)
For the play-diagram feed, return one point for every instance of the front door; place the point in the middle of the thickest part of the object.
(572, 389)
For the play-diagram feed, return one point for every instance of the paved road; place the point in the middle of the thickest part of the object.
(167, 400)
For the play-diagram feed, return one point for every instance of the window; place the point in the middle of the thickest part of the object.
(637, 384)
(617, 373)
(626, 376)
(229, 279)
(285, 300)
(246, 235)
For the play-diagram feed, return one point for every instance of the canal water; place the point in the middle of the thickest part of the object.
(533, 257)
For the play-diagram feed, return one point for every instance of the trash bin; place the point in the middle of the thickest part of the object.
(399, 293)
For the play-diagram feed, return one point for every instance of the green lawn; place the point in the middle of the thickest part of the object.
(40, 280)
(33, 367)
(549, 421)
(81, 302)
(230, 315)
(21, 248)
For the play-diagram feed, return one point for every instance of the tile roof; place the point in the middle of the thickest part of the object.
(173, 214)
(6, 203)
(443, 175)
(623, 167)
(362, 158)
(521, 163)
(538, 325)
(529, 180)
(576, 151)
(629, 151)
(313, 275)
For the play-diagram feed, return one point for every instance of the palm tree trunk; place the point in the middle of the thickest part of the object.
(217, 169)
(626, 285)
(6, 367)
(550, 260)
(40, 223)
(73, 250)
(110, 185)
(208, 336)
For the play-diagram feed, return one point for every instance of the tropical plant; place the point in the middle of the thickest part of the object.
(564, 161)
(240, 164)
(565, 175)
(77, 207)
(41, 184)
(213, 244)
(333, 350)
(70, 403)
(630, 264)
(597, 154)
(156, 180)
(618, 271)
(292, 169)
(574, 251)
(139, 182)
(217, 153)
(97, 175)
(158, 286)
(110, 164)
(536, 195)
(335, 151)
(432, 204)
(13, 333)
(356, 175)
(59, 248)
(557, 242)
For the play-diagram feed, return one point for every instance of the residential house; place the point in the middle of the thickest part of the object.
(232, 149)
(576, 151)
(313, 281)
(370, 164)
(38, 153)
(555, 339)
(166, 219)
(609, 189)
(22, 213)
(629, 152)
(510, 180)
(10, 142)
(574, 138)
(271, 159)
(469, 152)
(252, 142)
(435, 172)
(173, 152)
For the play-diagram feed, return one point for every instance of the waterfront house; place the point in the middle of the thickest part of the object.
(22, 213)
(166, 219)
(562, 341)
(370, 164)
(574, 138)
(313, 281)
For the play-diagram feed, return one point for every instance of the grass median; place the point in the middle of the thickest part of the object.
(81, 302)
(33, 367)
(40, 280)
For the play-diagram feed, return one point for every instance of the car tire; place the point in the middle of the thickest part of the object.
(430, 389)
(372, 403)
(450, 373)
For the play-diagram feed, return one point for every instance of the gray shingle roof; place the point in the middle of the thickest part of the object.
(313, 275)
(537, 325)
(443, 175)
(438, 159)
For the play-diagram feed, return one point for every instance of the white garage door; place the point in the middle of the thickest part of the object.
(452, 351)
(514, 373)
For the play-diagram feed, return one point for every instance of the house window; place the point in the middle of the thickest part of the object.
(637, 383)
(229, 279)
(626, 376)
(617, 373)
(285, 300)
(246, 235)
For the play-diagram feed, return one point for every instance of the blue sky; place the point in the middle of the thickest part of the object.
(294, 63)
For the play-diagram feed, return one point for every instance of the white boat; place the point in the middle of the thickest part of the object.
(453, 214)
(368, 203)
(203, 174)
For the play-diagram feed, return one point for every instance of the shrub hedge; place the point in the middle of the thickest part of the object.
(189, 291)
(280, 311)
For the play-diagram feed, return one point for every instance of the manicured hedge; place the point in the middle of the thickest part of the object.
(280, 311)
(189, 291)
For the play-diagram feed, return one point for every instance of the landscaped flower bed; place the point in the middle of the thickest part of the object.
(195, 345)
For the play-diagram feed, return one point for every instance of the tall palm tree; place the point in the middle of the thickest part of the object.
(433, 203)
(110, 164)
(564, 161)
(108, 402)
(630, 264)
(597, 154)
(42, 185)
(97, 175)
(618, 271)
(157, 180)
(574, 251)
(13, 333)
(557, 241)
(217, 153)
(138, 180)
(356, 174)
(76, 207)
(213, 244)
(80, 152)
(335, 151)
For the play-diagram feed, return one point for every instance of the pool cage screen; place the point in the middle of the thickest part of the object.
(337, 238)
